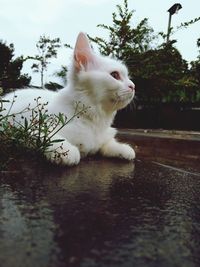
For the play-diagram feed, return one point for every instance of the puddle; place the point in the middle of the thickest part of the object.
(100, 213)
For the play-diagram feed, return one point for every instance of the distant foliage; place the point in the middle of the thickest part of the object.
(47, 49)
(195, 71)
(160, 73)
(62, 75)
(10, 69)
(158, 69)
(162, 76)
(53, 86)
(123, 38)
(188, 23)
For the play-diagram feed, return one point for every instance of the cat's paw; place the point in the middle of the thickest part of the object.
(64, 155)
(118, 150)
(127, 152)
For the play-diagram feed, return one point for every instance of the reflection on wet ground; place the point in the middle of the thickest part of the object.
(102, 212)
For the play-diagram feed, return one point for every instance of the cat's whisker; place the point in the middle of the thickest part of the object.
(123, 94)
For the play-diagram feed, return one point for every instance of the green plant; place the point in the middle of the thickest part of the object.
(47, 49)
(124, 39)
(34, 128)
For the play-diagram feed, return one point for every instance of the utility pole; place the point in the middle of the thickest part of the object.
(173, 9)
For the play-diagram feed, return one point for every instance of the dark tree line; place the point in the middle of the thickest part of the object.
(10, 69)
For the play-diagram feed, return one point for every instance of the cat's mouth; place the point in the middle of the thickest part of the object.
(126, 95)
(122, 99)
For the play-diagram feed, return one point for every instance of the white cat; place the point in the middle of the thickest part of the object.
(98, 82)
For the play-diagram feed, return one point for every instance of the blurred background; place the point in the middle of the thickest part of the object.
(159, 42)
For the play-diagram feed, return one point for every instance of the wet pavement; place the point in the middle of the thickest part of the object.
(103, 212)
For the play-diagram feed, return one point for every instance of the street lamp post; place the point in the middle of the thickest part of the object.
(173, 9)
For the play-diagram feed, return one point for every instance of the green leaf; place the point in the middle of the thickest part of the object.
(25, 123)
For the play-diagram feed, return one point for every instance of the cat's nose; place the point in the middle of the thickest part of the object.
(131, 87)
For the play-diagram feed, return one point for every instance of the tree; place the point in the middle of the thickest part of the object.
(123, 38)
(171, 30)
(62, 74)
(10, 69)
(47, 49)
(159, 74)
(53, 86)
(195, 72)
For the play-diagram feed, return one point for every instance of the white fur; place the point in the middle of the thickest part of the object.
(90, 82)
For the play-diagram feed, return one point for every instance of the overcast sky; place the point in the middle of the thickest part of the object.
(23, 21)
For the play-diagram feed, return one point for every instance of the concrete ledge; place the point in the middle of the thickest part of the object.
(161, 144)
(172, 134)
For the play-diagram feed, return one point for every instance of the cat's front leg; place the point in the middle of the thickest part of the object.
(63, 153)
(119, 150)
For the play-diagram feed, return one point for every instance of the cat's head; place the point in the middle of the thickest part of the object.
(102, 79)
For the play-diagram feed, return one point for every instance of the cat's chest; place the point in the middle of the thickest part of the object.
(89, 139)
(89, 142)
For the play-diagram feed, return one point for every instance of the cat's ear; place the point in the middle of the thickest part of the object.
(83, 54)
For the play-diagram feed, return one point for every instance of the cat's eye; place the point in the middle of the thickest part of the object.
(115, 75)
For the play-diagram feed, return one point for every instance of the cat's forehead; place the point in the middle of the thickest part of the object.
(110, 64)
